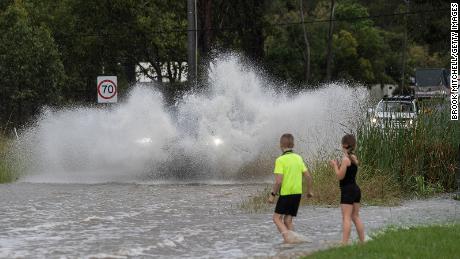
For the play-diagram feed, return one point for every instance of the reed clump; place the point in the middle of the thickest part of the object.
(421, 159)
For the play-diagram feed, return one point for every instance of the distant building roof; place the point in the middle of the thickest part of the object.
(426, 77)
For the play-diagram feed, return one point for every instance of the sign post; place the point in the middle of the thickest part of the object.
(107, 89)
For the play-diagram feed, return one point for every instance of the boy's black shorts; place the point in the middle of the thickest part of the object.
(288, 204)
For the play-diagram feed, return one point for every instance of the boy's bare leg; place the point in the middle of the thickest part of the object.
(288, 222)
(282, 228)
(357, 221)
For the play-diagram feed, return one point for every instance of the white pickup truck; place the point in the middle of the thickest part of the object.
(394, 112)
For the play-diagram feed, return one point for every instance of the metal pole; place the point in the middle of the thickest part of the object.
(191, 41)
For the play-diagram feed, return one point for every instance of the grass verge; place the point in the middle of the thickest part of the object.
(415, 242)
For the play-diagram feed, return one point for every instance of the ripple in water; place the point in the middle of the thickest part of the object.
(228, 132)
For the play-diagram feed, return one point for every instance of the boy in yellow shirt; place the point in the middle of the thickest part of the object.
(289, 168)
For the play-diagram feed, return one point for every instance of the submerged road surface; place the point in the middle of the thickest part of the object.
(167, 221)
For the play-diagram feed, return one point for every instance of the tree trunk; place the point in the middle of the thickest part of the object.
(307, 46)
(191, 42)
(252, 36)
(205, 14)
(170, 73)
(329, 44)
(130, 71)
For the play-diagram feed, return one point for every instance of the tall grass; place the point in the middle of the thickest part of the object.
(394, 162)
(6, 168)
(377, 189)
(422, 159)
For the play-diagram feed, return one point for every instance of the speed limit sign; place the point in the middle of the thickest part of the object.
(107, 89)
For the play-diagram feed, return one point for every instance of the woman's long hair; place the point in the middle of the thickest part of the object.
(349, 142)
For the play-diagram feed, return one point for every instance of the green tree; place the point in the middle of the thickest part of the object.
(31, 72)
(240, 26)
(285, 51)
(346, 59)
(112, 37)
(284, 46)
(373, 51)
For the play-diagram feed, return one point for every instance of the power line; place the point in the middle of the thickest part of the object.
(230, 28)
(361, 17)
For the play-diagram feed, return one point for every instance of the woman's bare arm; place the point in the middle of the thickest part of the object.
(340, 170)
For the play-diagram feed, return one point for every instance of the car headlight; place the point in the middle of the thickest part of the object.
(144, 141)
(217, 141)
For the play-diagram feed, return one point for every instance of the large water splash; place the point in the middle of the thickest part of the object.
(228, 132)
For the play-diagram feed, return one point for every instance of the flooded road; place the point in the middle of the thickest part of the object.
(172, 221)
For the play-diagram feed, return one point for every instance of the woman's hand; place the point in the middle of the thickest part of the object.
(333, 163)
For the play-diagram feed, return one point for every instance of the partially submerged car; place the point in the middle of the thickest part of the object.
(395, 112)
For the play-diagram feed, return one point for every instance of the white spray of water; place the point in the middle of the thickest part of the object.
(92, 145)
(229, 132)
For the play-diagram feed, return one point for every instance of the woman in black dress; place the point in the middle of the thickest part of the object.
(350, 193)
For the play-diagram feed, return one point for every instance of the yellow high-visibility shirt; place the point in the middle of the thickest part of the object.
(291, 166)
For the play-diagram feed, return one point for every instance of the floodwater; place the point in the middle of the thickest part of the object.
(172, 220)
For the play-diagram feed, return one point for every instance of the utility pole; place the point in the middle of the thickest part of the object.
(191, 42)
(403, 72)
(329, 43)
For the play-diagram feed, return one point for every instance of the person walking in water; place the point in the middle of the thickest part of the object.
(350, 193)
(289, 168)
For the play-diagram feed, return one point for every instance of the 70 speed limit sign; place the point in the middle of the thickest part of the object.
(107, 89)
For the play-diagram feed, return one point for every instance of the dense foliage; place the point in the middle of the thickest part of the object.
(52, 51)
